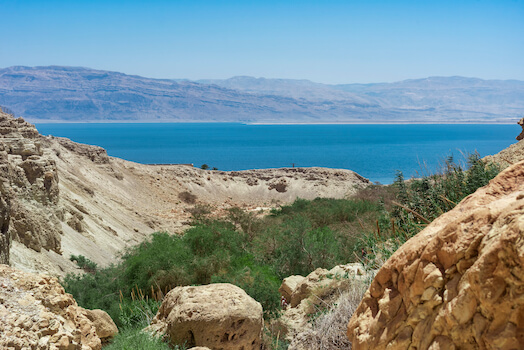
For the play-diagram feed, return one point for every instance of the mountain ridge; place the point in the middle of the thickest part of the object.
(58, 93)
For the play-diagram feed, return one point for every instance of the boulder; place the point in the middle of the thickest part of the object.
(311, 294)
(288, 286)
(458, 284)
(320, 282)
(220, 316)
(104, 325)
(36, 313)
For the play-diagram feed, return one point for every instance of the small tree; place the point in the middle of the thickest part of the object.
(204, 167)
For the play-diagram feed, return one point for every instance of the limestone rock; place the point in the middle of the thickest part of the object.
(29, 189)
(307, 295)
(459, 283)
(36, 313)
(16, 127)
(220, 316)
(321, 281)
(288, 286)
(96, 154)
(104, 325)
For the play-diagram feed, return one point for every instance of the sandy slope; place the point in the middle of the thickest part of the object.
(112, 203)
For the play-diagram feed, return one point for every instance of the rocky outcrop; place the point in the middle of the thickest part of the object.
(521, 135)
(29, 188)
(511, 155)
(5, 205)
(305, 296)
(94, 153)
(36, 313)
(458, 284)
(219, 316)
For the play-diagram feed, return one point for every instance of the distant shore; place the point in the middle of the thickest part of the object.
(404, 122)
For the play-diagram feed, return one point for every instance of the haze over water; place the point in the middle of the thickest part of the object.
(374, 151)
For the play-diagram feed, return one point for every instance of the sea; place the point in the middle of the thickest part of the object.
(376, 152)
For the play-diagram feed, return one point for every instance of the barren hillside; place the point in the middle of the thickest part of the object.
(100, 205)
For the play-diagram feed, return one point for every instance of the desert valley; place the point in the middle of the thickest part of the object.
(62, 199)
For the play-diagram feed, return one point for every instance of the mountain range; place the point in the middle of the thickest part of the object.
(57, 93)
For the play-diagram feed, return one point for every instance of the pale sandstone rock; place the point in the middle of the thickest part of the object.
(30, 185)
(220, 316)
(104, 325)
(288, 286)
(94, 153)
(36, 313)
(457, 284)
(511, 155)
(322, 281)
(308, 295)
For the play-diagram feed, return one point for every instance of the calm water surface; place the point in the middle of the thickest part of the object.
(374, 151)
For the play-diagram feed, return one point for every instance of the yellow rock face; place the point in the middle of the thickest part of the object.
(458, 284)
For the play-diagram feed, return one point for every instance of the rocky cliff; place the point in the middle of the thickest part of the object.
(61, 198)
(458, 284)
(29, 188)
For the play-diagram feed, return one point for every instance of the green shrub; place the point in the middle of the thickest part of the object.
(100, 290)
(420, 201)
(139, 311)
(84, 263)
(135, 338)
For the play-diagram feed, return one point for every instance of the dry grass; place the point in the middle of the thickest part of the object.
(329, 328)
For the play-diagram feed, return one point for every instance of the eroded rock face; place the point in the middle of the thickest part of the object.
(96, 154)
(36, 313)
(220, 316)
(457, 284)
(29, 188)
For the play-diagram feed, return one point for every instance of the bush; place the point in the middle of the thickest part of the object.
(420, 201)
(254, 254)
(84, 263)
(187, 197)
(135, 338)
(100, 290)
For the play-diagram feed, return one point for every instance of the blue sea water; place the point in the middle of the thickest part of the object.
(374, 151)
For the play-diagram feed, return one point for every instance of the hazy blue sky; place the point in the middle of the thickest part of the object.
(326, 41)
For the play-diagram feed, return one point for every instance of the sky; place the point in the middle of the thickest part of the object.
(327, 41)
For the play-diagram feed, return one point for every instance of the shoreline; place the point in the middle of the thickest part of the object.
(432, 122)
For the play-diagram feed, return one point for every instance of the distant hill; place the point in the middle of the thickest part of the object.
(82, 94)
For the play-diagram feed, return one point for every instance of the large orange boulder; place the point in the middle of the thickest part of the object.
(458, 284)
